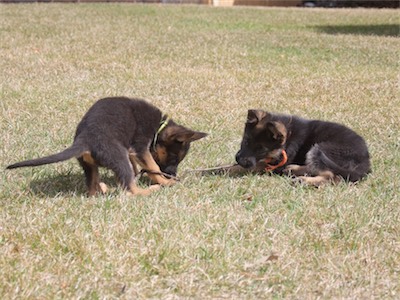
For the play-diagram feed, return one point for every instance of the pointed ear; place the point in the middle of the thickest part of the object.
(255, 115)
(278, 130)
(182, 134)
(190, 136)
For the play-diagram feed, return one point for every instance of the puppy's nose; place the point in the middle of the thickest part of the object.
(171, 170)
(245, 162)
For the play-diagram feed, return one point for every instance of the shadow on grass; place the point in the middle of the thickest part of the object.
(378, 30)
(72, 184)
(64, 184)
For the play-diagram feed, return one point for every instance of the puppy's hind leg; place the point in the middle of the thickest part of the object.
(91, 171)
(319, 166)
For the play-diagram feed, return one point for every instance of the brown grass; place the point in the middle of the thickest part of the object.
(208, 237)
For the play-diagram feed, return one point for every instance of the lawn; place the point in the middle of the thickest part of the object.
(208, 236)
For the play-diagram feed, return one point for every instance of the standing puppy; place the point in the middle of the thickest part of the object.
(313, 151)
(118, 133)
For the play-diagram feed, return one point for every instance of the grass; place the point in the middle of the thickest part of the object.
(207, 237)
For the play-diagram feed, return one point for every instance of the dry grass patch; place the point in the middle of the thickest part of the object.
(208, 237)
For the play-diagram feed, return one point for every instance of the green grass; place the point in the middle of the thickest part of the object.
(207, 237)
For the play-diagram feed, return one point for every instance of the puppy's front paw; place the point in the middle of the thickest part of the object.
(308, 181)
(134, 190)
(154, 187)
(166, 182)
(290, 168)
(295, 170)
(298, 180)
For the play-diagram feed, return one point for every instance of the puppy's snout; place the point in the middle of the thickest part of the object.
(171, 170)
(245, 162)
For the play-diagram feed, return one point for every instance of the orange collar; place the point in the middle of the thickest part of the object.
(270, 168)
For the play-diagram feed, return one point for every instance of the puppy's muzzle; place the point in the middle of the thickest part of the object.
(171, 170)
(245, 162)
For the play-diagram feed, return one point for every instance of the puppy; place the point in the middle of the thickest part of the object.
(314, 151)
(120, 133)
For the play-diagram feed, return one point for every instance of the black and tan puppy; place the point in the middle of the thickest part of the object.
(119, 133)
(313, 151)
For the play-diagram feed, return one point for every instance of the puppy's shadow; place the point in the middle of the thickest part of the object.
(68, 184)
(51, 186)
(72, 184)
(62, 184)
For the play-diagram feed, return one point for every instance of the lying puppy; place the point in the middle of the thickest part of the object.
(119, 133)
(313, 151)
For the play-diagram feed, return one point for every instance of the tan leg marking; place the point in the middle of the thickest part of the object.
(322, 178)
(87, 157)
(296, 170)
(314, 181)
(135, 190)
(148, 163)
(95, 185)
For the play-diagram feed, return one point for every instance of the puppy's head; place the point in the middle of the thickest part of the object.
(172, 145)
(263, 138)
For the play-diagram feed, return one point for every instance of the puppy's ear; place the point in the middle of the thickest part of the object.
(255, 115)
(278, 130)
(190, 136)
(182, 134)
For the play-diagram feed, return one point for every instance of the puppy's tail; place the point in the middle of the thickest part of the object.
(352, 172)
(74, 151)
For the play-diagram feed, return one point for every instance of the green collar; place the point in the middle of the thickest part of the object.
(163, 123)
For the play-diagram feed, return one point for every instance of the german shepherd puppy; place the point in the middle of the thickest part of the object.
(313, 151)
(119, 133)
